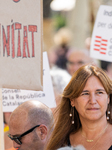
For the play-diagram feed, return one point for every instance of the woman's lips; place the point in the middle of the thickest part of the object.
(92, 108)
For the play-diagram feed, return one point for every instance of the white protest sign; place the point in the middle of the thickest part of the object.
(101, 44)
(21, 44)
(12, 98)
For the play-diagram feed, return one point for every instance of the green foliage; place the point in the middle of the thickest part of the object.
(59, 21)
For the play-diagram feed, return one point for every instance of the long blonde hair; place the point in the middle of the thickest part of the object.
(64, 127)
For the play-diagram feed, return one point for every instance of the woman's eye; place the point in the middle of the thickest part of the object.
(99, 92)
(85, 94)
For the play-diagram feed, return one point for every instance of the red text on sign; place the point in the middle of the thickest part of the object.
(9, 40)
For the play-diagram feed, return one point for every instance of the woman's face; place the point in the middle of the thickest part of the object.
(93, 101)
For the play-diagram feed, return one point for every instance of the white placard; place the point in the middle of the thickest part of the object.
(12, 98)
(101, 44)
(21, 44)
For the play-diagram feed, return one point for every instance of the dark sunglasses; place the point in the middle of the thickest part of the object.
(17, 139)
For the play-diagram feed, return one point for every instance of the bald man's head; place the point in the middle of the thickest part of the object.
(28, 115)
(33, 112)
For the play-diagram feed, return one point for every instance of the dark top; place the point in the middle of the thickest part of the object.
(70, 144)
(110, 148)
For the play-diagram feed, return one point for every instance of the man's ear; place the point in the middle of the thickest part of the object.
(42, 131)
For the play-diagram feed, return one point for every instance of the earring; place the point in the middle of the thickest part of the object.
(107, 118)
(72, 114)
(108, 113)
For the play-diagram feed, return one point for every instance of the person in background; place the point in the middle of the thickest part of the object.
(62, 40)
(76, 58)
(60, 77)
(105, 64)
(85, 112)
(30, 126)
(107, 67)
(57, 56)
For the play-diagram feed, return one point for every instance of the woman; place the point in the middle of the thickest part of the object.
(85, 111)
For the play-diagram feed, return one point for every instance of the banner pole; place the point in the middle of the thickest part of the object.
(1, 123)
